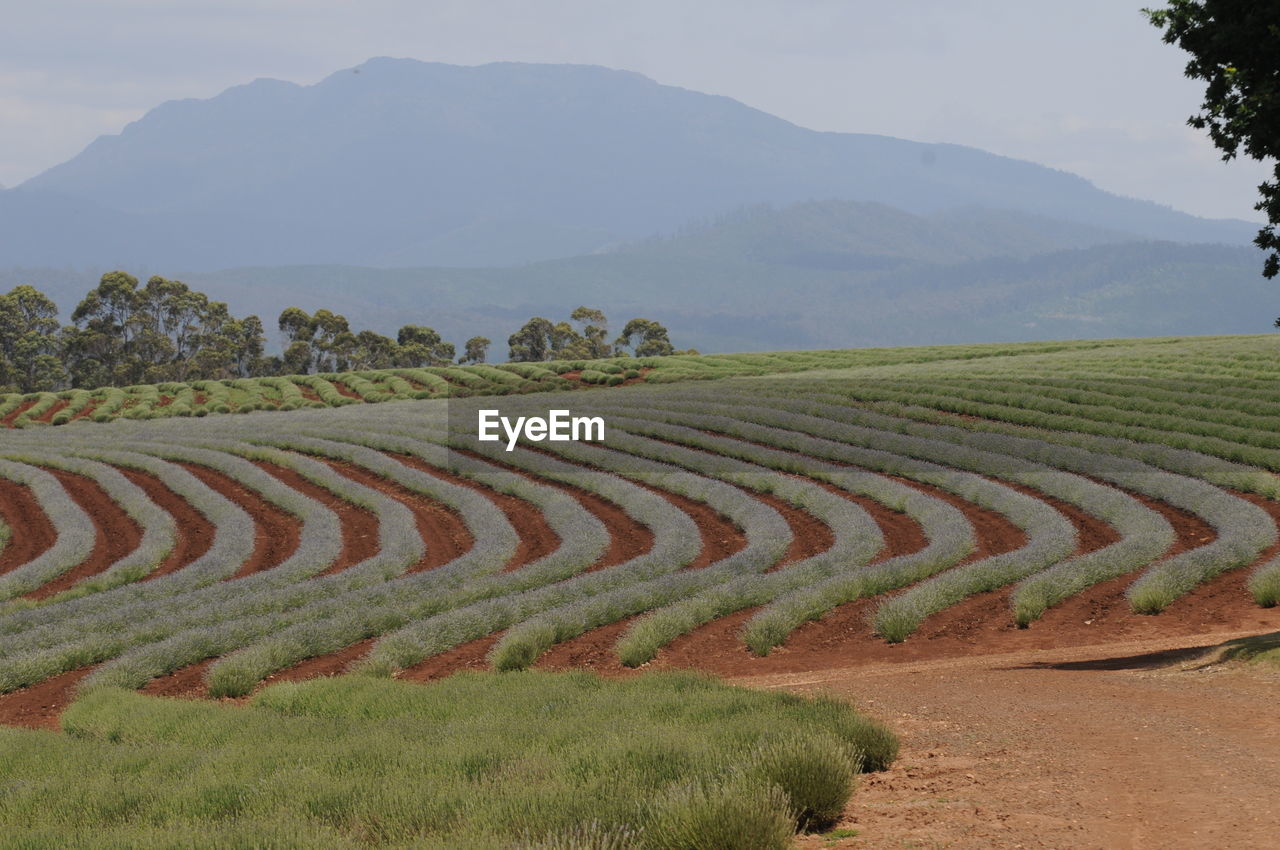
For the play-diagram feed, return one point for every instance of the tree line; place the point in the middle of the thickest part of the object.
(124, 332)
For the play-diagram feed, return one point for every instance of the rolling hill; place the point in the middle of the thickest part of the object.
(815, 274)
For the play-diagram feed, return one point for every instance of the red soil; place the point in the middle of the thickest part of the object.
(31, 532)
(717, 647)
(359, 541)
(22, 408)
(359, 526)
(39, 706)
(345, 390)
(983, 624)
(902, 534)
(331, 664)
(276, 535)
(809, 535)
(185, 682)
(537, 538)
(629, 538)
(442, 528)
(594, 648)
(276, 532)
(720, 536)
(472, 655)
(86, 411)
(53, 411)
(194, 532)
(115, 533)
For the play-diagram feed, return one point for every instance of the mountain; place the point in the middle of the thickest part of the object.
(823, 274)
(856, 236)
(404, 163)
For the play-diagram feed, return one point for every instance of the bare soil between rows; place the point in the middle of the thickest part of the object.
(115, 532)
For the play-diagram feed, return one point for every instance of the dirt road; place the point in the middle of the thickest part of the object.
(1125, 745)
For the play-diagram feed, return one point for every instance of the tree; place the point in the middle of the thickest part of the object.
(422, 346)
(163, 331)
(319, 343)
(647, 337)
(295, 324)
(98, 348)
(30, 348)
(241, 348)
(476, 350)
(534, 342)
(332, 341)
(594, 338)
(1235, 49)
(539, 339)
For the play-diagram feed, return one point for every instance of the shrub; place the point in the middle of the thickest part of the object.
(739, 815)
(815, 772)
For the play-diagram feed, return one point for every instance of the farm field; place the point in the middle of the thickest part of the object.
(293, 392)
(754, 516)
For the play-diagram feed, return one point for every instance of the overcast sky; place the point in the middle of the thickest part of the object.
(1085, 86)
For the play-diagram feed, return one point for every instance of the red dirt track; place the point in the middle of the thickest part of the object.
(276, 531)
(115, 533)
(31, 531)
(186, 682)
(537, 538)
(195, 533)
(39, 706)
(443, 530)
(7, 421)
(53, 411)
(628, 538)
(359, 526)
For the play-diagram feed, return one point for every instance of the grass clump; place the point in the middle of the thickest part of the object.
(530, 759)
(739, 813)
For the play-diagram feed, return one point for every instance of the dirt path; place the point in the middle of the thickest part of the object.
(1115, 746)
(115, 533)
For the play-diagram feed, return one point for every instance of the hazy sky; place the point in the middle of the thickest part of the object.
(1086, 86)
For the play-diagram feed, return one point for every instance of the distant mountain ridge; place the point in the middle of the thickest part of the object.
(827, 274)
(403, 163)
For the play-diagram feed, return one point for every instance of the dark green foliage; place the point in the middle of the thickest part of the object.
(1235, 50)
(123, 333)
(646, 338)
(475, 350)
(30, 350)
(540, 340)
